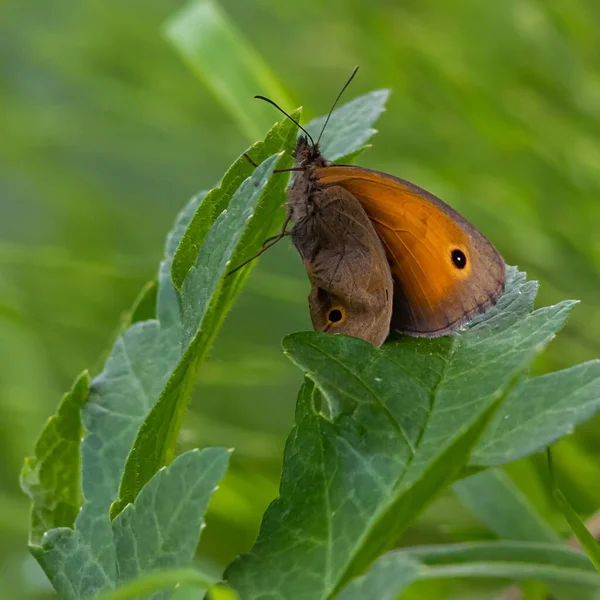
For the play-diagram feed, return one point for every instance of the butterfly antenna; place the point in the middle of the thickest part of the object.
(288, 116)
(336, 101)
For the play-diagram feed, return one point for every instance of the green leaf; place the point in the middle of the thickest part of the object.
(160, 530)
(385, 580)
(136, 404)
(159, 580)
(227, 64)
(381, 432)
(549, 563)
(500, 504)
(281, 137)
(199, 273)
(539, 411)
(393, 572)
(205, 297)
(133, 377)
(51, 477)
(144, 306)
(586, 539)
(82, 561)
(346, 134)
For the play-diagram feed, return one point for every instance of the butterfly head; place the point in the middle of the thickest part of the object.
(307, 154)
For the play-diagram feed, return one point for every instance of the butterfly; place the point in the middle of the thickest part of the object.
(383, 254)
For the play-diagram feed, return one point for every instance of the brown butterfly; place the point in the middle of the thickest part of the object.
(382, 254)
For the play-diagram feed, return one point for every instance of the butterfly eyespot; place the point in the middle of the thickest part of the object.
(458, 258)
(335, 315)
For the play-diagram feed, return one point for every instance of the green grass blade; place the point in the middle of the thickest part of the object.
(393, 572)
(587, 541)
(494, 498)
(227, 64)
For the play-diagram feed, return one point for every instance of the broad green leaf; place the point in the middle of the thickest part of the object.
(348, 159)
(538, 411)
(160, 530)
(144, 306)
(82, 561)
(227, 64)
(156, 359)
(52, 477)
(346, 134)
(135, 373)
(378, 436)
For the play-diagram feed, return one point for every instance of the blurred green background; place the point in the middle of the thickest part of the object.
(105, 133)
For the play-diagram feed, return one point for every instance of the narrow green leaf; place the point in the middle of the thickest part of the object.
(549, 563)
(549, 574)
(383, 431)
(52, 476)
(227, 64)
(281, 137)
(159, 580)
(500, 504)
(586, 539)
(502, 551)
(161, 529)
(559, 567)
(393, 572)
(385, 580)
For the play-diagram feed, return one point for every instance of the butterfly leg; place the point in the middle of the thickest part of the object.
(274, 239)
(268, 243)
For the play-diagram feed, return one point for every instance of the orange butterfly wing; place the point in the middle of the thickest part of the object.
(432, 296)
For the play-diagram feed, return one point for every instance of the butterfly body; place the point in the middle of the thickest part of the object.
(351, 282)
(358, 229)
